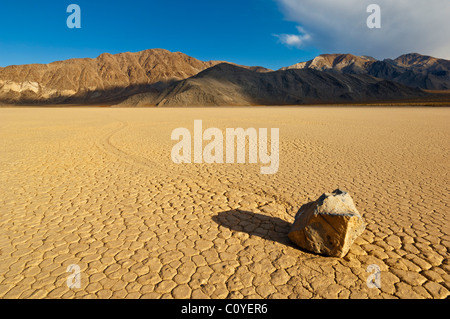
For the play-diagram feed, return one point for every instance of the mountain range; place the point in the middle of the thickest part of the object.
(159, 77)
(412, 69)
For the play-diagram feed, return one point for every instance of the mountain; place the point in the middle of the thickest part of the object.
(227, 84)
(415, 70)
(105, 78)
(163, 78)
(412, 69)
(344, 63)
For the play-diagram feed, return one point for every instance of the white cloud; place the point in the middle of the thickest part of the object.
(291, 39)
(294, 40)
(340, 27)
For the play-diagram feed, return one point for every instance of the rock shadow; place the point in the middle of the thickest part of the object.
(263, 226)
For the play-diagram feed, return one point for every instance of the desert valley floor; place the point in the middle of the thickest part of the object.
(97, 187)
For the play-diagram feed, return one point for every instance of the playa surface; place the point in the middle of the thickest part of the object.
(96, 187)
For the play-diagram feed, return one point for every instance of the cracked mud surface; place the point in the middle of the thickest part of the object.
(97, 188)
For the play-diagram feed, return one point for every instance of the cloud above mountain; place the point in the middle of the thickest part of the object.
(340, 26)
(294, 40)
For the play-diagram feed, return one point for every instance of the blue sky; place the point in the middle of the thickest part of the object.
(234, 30)
(249, 32)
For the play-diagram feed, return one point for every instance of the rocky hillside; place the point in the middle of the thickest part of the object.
(106, 78)
(227, 84)
(343, 63)
(160, 77)
(413, 69)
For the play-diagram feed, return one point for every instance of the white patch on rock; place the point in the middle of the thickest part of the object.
(20, 87)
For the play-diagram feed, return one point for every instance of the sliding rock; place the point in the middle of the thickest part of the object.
(328, 226)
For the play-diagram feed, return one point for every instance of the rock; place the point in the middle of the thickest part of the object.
(328, 225)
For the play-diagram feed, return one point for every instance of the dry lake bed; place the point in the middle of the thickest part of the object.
(97, 188)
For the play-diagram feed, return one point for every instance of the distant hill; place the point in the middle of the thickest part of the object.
(412, 69)
(106, 78)
(226, 84)
(159, 77)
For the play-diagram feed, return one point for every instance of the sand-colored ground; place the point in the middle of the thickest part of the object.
(97, 188)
